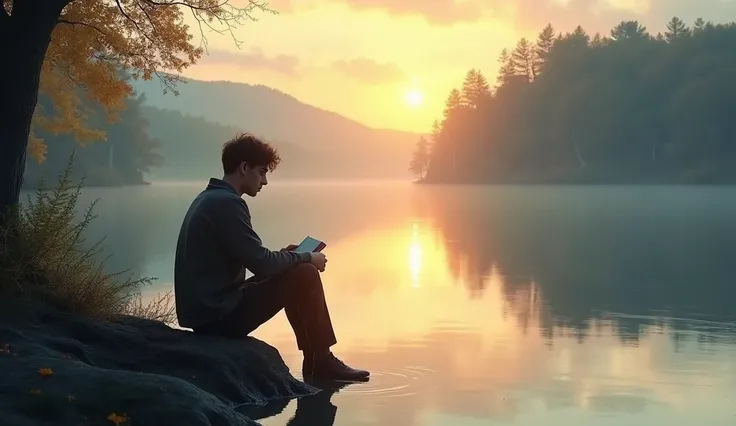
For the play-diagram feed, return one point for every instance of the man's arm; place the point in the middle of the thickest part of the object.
(230, 219)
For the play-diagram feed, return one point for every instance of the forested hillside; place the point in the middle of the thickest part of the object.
(627, 107)
(343, 148)
(191, 148)
(123, 157)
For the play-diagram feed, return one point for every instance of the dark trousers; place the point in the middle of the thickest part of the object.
(299, 292)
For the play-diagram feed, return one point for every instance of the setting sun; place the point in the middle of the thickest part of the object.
(414, 98)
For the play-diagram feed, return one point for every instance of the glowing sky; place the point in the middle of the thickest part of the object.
(362, 58)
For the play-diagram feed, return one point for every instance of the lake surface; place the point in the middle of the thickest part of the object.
(493, 305)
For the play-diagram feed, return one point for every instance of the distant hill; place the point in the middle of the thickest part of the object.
(325, 144)
(190, 147)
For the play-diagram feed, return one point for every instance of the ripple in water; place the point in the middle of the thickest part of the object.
(392, 384)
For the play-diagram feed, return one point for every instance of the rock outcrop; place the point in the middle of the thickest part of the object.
(68, 370)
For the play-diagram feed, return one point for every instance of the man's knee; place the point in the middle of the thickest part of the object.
(301, 278)
(306, 272)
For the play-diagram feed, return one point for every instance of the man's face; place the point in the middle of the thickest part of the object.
(252, 179)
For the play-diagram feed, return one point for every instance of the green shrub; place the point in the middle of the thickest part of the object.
(44, 257)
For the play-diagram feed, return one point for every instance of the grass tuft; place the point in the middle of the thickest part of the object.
(45, 257)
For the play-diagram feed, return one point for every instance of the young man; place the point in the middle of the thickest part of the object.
(217, 243)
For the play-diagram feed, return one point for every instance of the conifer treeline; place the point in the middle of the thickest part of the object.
(629, 107)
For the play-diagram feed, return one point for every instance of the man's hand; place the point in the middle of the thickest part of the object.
(319, 260)
(290, 247)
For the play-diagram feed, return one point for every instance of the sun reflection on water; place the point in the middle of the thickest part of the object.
(415, 256)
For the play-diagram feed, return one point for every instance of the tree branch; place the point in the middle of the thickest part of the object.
(137, 26)
(223, 12)
(142, 18)
(74, 23)
(191, 6)
(148, 16)
(168, 81)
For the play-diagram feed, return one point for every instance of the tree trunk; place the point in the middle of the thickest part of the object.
(25, 36)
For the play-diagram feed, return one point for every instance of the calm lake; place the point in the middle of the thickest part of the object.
(493, 305)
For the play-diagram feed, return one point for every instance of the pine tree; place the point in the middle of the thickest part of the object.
(436, 132)
(676, 28)
(475, 89)
(523, 57)
(545, 43)
(629, 30)
(507, 69)
(598, 40)
(699, 25)
(454, 102)
(580, 37)
(420, 160)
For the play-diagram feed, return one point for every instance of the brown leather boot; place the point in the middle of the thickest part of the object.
(329, 367)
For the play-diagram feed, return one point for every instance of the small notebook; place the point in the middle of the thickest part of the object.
(310, 245)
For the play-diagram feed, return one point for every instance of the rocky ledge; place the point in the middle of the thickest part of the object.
(67, 370)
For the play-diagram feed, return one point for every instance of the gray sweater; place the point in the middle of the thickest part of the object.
(216, 242)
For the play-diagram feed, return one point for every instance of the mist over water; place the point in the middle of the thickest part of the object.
(492, 305)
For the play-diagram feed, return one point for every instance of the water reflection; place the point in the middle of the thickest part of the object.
(504, 303)
(601, 306)
(312, 410)
(656, 251)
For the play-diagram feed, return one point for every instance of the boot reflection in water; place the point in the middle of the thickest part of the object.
(311, 410)
(317, 409)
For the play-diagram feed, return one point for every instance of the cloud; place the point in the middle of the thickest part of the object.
(602, 15)
(369, 71)
(598, 15)
(254, 59)
(440, 12)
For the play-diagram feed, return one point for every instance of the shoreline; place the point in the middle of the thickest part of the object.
(28, 187)
(571, 184)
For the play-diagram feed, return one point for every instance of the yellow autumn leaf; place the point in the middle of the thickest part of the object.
(117, 419)
(46, 372)
(36, 148)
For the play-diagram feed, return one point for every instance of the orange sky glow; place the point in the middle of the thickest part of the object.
(365, 59)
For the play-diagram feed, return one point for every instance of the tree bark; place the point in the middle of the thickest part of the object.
(25, 36)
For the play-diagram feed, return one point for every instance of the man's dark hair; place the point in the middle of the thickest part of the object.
(248, 148)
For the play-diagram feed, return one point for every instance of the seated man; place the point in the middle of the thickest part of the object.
(217, 243)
